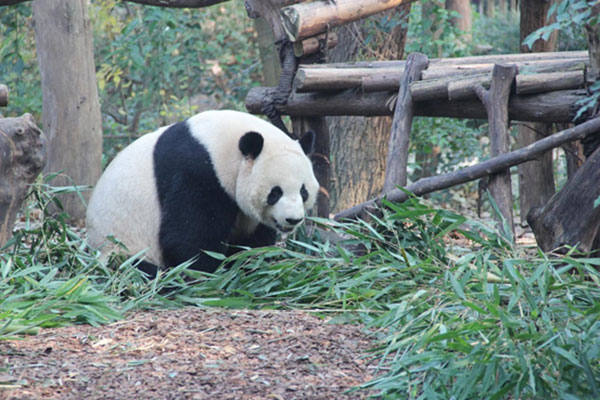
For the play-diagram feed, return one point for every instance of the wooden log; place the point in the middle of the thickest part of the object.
(3, 95)
(556, 106)
(397, 157)
(570, 218)
(313, 44)
(441, 62)
(474, 172)
(304, 20)
(549, 81)
(524, 66)
(462, 89)
(23, 155)
(495, 101)
(316, 79)
(383, 83)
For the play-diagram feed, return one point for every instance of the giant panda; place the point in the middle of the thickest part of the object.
(217, 180)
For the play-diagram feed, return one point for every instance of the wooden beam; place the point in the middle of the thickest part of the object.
(335, 78)
(441, 62)
(549, 81)
(304, 20)
(485, 168)
(556, 106)
(495, 100)
(397, 157)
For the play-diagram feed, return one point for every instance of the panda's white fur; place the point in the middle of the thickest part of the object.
(125, 202)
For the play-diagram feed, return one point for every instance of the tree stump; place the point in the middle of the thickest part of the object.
(22, 157)
(570, 218)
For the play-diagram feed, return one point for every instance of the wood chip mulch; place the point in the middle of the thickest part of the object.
(190, 354)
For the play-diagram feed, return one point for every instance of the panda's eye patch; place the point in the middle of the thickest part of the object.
(274, 195)
(304, 193)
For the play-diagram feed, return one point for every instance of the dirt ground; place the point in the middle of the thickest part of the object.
(190, 354)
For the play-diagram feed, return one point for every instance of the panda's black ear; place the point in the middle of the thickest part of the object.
(307, 142)
(251, 144)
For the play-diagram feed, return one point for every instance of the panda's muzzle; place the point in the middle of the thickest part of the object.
(294, 222)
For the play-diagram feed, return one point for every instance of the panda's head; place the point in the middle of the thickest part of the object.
(276, 183)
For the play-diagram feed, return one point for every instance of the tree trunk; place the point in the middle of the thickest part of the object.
(490, 8)
(359, 144)
(269, 58)
(536, 178)
(71, 111)
(463, 8)
(22, 157)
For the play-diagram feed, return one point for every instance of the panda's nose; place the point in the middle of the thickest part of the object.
(293, 221)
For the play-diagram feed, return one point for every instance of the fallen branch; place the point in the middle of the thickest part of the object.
(485, 168)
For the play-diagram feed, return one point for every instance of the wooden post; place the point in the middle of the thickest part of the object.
(397, 157)
(22, 157)
(495, 101)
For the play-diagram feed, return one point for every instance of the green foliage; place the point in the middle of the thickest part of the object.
(467, 318)
(18, 62)
(500, 34)
(153, 61)
(451, 141)
(435, 36)
(568, 14)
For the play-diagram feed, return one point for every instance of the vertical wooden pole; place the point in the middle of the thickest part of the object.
(397, 158)
(495, 101)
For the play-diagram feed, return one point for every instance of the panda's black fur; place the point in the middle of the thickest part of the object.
(191, 197)
(194, 206)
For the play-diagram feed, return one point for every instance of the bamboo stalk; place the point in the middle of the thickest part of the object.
(304, 20)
